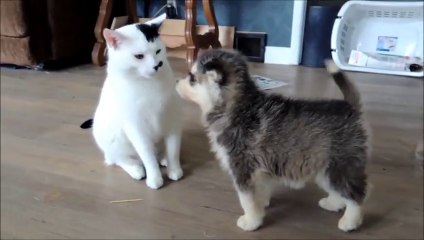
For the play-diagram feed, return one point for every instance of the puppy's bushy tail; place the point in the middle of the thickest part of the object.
(349, 90)
(352, 96)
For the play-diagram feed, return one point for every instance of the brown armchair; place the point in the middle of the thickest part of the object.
(34, 32)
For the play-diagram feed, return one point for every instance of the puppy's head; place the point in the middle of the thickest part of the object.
(213, 78)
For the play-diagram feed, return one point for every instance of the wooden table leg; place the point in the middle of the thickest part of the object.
(190, 31)
(132, 11)
(146, 8)
(105, 10)
(209, 11)
(97, 55)
(195, 41)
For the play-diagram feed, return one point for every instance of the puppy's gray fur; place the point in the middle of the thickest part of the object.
(262, 138)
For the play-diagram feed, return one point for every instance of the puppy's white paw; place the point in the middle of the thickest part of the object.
(249, 223)
(348, 223)
(331, 204)
(265, 202)
(154, 182)
(175, 174)
(164, 162)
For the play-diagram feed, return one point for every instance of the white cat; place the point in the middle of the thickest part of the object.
(139, 107)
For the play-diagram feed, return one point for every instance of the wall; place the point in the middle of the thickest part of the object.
(271, 16)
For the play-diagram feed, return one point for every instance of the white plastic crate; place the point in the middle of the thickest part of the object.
(361, 23)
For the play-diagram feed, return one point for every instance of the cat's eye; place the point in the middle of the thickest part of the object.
(139, 56)
(158, 51)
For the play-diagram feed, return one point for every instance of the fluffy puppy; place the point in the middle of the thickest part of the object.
(262, 139)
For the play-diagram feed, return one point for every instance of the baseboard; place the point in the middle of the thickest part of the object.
(290, 55)
(281, 55)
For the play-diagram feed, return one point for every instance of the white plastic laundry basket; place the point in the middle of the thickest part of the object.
(360, 23)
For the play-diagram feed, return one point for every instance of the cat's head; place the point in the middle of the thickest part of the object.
(136, 48)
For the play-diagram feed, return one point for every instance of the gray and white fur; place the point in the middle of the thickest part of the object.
(263, 139)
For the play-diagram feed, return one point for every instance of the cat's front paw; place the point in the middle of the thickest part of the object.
(175, 174)
(135, 171)
(154, 182)
(164, 162)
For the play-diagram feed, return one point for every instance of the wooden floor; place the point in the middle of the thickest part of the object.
(54, 183)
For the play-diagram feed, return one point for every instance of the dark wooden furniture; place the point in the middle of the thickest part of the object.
(45, 34)
(105, 10)
(194, 40)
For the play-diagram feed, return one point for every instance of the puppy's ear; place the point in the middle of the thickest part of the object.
(214, 69)
(113, 38)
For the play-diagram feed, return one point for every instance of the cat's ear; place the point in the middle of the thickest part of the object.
(113, 38)
(157, 21)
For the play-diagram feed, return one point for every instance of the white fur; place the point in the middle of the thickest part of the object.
(352, 217)
(138, 108)
(254, 211)
(157, 20)
(220, 151)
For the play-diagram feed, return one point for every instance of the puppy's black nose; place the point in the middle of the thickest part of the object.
(158, 66)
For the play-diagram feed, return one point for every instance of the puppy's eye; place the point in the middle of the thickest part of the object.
(192, 79)
(158, 51)
(139, 56)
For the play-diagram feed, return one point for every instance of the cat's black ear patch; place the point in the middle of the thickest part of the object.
(151, 32)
